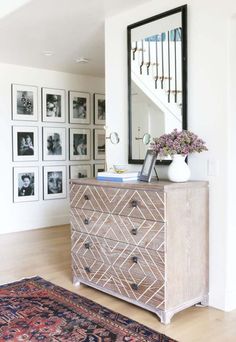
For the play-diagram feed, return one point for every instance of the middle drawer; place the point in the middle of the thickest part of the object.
(130, 258)
(143, 233)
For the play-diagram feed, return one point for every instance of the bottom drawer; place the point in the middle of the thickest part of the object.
(139, 287)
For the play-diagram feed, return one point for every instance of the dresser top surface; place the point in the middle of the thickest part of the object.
(138, 185)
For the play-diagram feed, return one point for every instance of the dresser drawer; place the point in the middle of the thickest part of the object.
(147, 204)
(138, 287)
(129, 258)
(144, 233)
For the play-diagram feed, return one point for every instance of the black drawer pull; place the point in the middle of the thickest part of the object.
(86, 221)
(134, 286)
(87, 269)
(135, 259)
(134, 203)
(87, 245)
(86, 197)
(134, 231)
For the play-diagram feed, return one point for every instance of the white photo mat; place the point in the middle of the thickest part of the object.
(54, 143)
(54, 182)
(21, 193)
(99, 143)
(79, 107)
(80, 144)
(53, 105)
(24, 102)
(99, 109)
(80, 171)
(25, 143)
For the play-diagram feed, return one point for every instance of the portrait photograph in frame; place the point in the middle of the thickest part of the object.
(98, 168)
(148, 166)
(24, 102)
(80, 171)
(54, 182)
(79, 107)
(80, 144)
(25, 143)
(53, 105)
(99, 109)
(99, 142)
(25, 184)
(54, 143)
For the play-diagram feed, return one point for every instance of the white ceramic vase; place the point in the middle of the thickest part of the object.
(178, 170)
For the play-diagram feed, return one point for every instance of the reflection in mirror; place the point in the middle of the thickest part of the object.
(157, 72)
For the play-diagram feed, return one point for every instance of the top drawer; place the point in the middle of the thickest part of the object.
(144, 204)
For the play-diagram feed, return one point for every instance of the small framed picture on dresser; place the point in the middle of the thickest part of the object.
(79, 107)
(24, 102)
(148, 165)
(25, 184)
(25, 143)
(53, 105)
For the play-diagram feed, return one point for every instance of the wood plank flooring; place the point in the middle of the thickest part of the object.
(46, 252)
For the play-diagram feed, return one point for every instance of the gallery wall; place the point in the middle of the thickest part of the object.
(209, 94)
(41, 213)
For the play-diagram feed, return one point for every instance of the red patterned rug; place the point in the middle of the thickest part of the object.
(36, 310)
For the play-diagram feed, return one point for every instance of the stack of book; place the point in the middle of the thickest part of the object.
(117, 177)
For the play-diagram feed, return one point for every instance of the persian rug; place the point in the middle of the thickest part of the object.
(37, 310)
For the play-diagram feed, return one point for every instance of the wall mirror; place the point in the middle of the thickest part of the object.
(157, 79)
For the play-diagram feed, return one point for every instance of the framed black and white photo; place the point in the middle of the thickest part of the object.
(25, 184)
(25, 143)
(54, 185)
(53, 105)
(24, 102)
(54, 143)
(99, 109)
(80, 171)
(80, 144)
(98, 168)
(148, 165)
(99, 141)
(79, 107)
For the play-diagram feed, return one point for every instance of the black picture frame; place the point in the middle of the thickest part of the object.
(148, 165)
(184, 63)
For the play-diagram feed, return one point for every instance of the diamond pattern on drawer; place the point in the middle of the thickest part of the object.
(144, 233)
(132, 203)
(131, 260)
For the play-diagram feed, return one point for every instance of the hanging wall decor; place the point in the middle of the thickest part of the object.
(24, 102)
(53, 105)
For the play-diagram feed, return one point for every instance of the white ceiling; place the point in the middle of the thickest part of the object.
(69, 28)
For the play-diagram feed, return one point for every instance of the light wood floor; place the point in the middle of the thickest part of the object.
(46, 252)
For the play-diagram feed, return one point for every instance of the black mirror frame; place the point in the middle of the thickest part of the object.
(183, 11)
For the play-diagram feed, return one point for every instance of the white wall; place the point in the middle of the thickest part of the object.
(208, 115)
(30, 215)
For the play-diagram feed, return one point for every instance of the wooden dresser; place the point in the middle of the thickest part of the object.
(146, 243)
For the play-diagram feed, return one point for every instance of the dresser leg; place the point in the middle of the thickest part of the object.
(165, 317)
(76, 281)
(205, 300)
